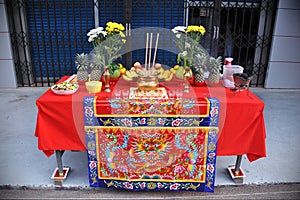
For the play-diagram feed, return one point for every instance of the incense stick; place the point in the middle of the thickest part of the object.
(129, 31)
(150, 46)
(146, 56)
(156, 44)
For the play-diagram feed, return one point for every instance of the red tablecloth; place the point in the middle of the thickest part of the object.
(242, 129)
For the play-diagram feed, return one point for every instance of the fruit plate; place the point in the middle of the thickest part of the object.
(65, 88)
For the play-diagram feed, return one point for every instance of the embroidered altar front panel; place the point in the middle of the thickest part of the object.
(152, 151)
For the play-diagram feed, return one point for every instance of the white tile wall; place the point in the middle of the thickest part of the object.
(290, 4)
(3, 21)
(283, 75)
(5, 45)
(285, 49)
(7, 74)
(284, 62)
(288, 23)
(7, 68)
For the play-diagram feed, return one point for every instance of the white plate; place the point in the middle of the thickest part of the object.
(65, 92)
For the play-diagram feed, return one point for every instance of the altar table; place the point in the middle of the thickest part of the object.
(60, 123)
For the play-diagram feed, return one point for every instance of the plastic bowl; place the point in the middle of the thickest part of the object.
(242, 80)
(93, 86)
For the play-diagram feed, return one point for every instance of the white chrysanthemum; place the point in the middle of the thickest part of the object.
(95, 30)
(179, 29)
(184, 53)
(99, 29)
(92, 37)
(102, 32)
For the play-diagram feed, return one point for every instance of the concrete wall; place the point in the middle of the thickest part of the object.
(7, 69)
(284, 62)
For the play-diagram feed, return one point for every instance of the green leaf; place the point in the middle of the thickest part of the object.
(178, 58)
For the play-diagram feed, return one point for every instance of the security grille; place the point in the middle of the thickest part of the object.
(46, 34)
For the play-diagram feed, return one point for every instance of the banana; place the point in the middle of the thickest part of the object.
(170, 77)
(166, 74)
(128, 73)
(160, 76)
(134, 74)
(161, 70)
(126, 78)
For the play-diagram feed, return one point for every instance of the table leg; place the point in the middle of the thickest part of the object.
(237, 164)
(236, 171)
(60, 173)
(59, 154)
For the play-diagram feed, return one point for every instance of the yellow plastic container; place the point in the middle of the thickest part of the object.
(93, 86)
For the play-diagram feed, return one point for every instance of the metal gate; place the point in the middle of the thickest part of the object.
(46, 34)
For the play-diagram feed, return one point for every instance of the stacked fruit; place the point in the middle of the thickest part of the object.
(163, 74)
(138, 71)
(180, 71)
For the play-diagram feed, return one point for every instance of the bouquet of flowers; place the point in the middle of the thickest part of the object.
(193, 55)
(187, 40)
(107, 44)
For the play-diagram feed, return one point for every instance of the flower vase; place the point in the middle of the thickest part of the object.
(187, 76)
(106, 77)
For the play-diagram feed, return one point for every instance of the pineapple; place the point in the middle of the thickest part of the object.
(81, 63)
(199, 76)
(200, 62)
(96, 66)
(214, 69)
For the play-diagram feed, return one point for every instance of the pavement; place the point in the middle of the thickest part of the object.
(24, 168)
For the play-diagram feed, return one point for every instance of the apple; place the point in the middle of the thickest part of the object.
(137, 65)
(157, 66)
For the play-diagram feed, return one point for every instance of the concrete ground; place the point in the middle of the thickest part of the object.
(275, 191)
(23, 165)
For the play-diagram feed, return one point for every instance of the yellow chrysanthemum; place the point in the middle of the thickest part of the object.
(194, 28)
(113, 27)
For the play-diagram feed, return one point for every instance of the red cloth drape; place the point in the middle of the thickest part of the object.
(242, 130)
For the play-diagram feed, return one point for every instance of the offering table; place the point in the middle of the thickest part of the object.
(60, 124)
